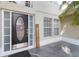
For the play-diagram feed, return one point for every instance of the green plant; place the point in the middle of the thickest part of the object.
(73, 6)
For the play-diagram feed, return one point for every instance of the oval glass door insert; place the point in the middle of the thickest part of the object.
(20, 28)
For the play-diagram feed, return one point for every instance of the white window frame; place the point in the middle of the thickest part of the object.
(56, 25)
(57, 31)
(6, 27)
(47, 27)
(11, 30)
(29, 30)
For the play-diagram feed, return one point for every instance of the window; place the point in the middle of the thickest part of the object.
(56, 31)
(27, 3)
(56, 25)
(56, 20)
(12, 1)
(6, 31)
(31, 33)
(24, 3)
(47, 26)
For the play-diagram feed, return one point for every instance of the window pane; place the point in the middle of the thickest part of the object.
(6, 23)
(56, 20)
(6, 15)
(31, 30)
(27, 3)
(31, 18)
(31, 36)
(31, 42)
(31, 24)
(45, 24)
(50, 30)
(56, 31)
(45, 32)
(6, 47)
(6, 39)
(6, 31)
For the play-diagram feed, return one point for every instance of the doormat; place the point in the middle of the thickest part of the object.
(21, 54)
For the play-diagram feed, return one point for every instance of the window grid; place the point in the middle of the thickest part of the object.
(47, 26)
(27, 3)
(56, 29)
(31, 30)
(6, 31)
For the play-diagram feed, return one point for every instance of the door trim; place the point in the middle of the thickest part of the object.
(11, 29)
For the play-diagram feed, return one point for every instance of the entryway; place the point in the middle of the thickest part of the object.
(18, 31)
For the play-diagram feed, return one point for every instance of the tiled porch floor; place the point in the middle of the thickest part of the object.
(58, 49)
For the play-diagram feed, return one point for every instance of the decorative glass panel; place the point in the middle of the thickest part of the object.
(20, 28)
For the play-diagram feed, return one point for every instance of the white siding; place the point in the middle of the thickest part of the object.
(39, 17)
(46, 6)
(40, 9)
(0, 29)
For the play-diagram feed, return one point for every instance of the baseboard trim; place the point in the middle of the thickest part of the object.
(49, 41)
(70, 40)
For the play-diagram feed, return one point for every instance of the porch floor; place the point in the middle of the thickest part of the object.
(58, 49)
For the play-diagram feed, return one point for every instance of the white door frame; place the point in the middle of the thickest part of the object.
(11, 31)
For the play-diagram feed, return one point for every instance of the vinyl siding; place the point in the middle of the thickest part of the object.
(0, 29)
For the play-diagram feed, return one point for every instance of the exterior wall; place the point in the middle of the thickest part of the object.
(50, 7)
(40, 16)
(0, 30)
(45, 6)
(46, 9)
(42, 6)
(69, 31)
(40, 10)
(16, 8)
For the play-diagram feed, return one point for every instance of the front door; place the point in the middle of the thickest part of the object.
(19, 30)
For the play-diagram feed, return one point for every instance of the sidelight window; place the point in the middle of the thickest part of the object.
(56, 31)
(6, 31)
(31, 33)
(56, 26)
